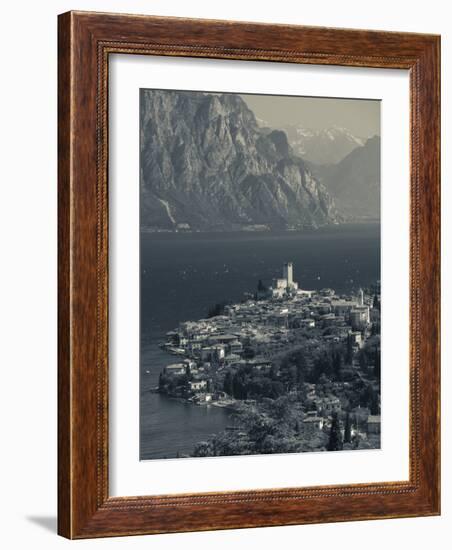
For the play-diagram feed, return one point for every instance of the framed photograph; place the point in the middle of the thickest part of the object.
(248, 275)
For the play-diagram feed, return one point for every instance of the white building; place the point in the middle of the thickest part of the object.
(284, 285)
(359, 317)
(176, 369)
(313, 424)
(198, 385)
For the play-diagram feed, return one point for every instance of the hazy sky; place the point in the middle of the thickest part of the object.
(360, 116)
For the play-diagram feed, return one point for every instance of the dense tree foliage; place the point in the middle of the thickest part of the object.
(376, 304)
(369, 355)
(335, 442)
(173, 385)
(248, 382)
(276, 426)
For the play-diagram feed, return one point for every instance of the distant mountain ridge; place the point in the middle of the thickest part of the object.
(354, 182)
(207, 165)
(325, 146)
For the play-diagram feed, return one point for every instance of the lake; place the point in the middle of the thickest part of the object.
(184, 274)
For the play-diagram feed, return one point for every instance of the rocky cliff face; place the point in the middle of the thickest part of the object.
(206, 164)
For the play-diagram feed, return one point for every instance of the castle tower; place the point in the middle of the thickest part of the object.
(288, 274)
(360, 297)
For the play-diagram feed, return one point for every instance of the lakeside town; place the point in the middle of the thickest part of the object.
(299, 369)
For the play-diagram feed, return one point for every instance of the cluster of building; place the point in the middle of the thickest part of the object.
(256, 331)
(318, 417)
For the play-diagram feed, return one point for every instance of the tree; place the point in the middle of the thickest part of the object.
(274, 371)
(228, 385)
(277, 389)
(370, 398)
(323, 365)
(335, 439)
(291, 377)
(377, 363)
(374, 404)
(362, 357)
(203, 448)
(347, 429)
(337, 364)
(349, 350)
(301, 368)
(248, 352)
(260, 286)
(376, 302)
(238, 390)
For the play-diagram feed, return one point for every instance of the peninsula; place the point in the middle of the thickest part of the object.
(300, 369)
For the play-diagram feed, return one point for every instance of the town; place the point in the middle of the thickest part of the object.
(300, 369)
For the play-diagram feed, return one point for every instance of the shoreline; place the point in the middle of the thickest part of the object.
(230, 404)
(212, 347)
(259, 230)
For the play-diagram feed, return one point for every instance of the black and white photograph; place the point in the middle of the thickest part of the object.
(225, 233)
(260, 274)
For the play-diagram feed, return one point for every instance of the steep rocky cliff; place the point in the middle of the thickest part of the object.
(206, 165)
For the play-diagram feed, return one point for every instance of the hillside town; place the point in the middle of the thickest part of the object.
(300, 369)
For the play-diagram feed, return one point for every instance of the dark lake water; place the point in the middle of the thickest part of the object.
(183, 275)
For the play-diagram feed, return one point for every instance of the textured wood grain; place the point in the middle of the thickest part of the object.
(64, 295)
(85, 42)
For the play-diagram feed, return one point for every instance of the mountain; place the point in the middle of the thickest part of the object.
(207, 165)
(326, 146)
(354, 182)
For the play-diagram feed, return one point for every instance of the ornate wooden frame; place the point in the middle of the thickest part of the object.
(85, 42)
